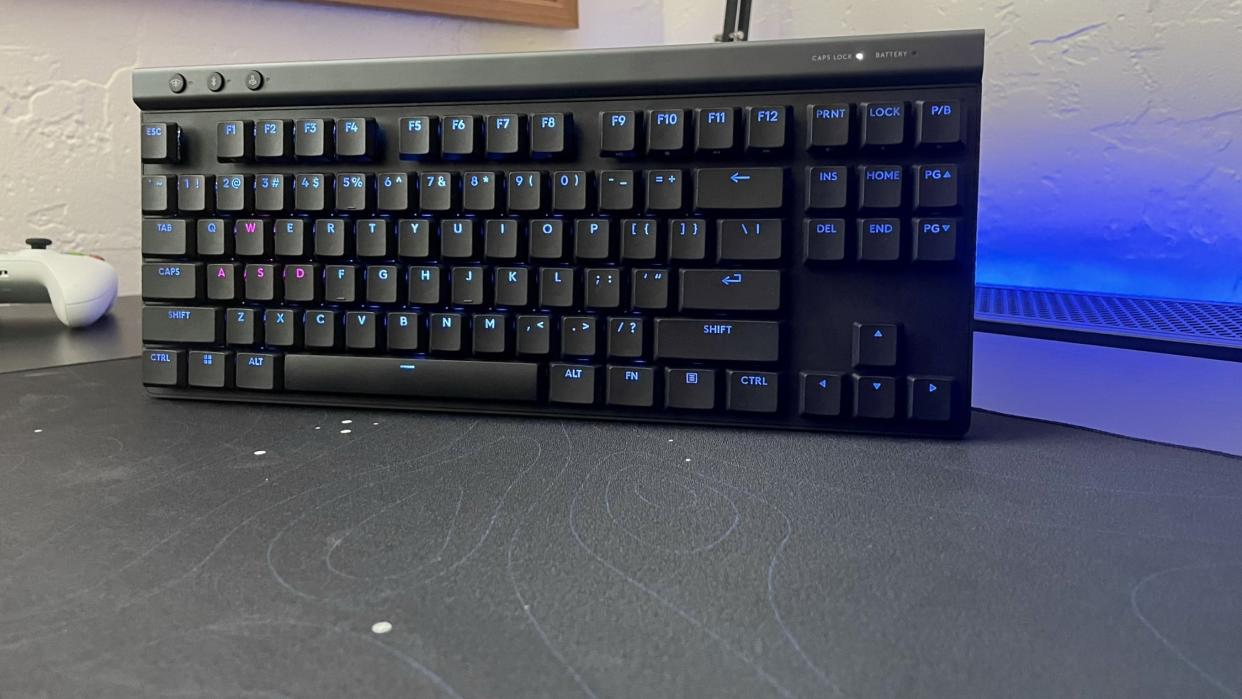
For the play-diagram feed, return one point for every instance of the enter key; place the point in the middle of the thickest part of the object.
(730, 290)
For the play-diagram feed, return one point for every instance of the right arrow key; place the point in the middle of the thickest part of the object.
(739, 188)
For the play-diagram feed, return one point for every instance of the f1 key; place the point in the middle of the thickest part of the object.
(739, 188)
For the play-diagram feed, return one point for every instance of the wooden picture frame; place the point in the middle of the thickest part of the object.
(545, 13)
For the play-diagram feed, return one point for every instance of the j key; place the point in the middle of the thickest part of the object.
(534, 335)
(245, 327)
(929, 398)
(880, 186)
(752, 391)
(690, 389)
(749, 239)
(262, 282)
(414, 238)
(210, 369)
(687, 239)
(875, 397)
(195, 192)
(500, 239)
(466, 286)
(883, 124)
(159, 194)
(161, 142)
(512, 287)
(214, 237)
(939, 122)
(311, 139)
(491, 333)
(730, 290)
(639, 238)
(414, 139)
(435, 191)
(548, 134)
(321, 330)
(664, 190)
(252, 237)
(547, 239)
(739, 188)
(282, 327)
(181, 324)
(234, 141)
(935, 239)
(592, 239)
(875, 344)
(525, 191)
(572, 383)
(825, 240)
(820, 393)
(310, 192)
(631, 386)
(360, 333)
(616, 190)
(445, 333)
(935, 186)
(625, 337)
(765, 128)
(166, 236)
(403, 331)
(257, 372)
(457, 238)
(393, 191)
(829, 126)
(602, 288)
(879, 239)
(382, 283)
(649, 289)
(428, 378)
(458, 138)
(171, 281)
(371, 237)
(163, 367)
(355, 138)
(569, 190)
(713, 129)
(223, 282)
(425, 285)
(234, 192)
(556, 287)
(303, 283)
(579, 337)
(352, 192)
(340, 283)
(291, 237)
(502, 138)
(272, 192)
(827, 187)
(478, 191)
(273, 139)
(666, 130)
(711, 339)
(618, 133)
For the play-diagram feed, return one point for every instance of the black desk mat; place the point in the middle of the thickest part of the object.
(148, 548)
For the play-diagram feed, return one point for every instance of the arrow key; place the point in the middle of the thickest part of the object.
(930, 397)
(875, 344)
(875, 397)
(821, 393)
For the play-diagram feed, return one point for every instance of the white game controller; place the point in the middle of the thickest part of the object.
(81, 288)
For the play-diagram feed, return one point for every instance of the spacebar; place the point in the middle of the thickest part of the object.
(424, 378)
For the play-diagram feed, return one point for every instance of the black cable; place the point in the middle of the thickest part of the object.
(730, 20)
(743, 20)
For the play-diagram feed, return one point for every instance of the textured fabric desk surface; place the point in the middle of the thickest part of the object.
(177, 548)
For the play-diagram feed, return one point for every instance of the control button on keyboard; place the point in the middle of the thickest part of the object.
(879, 239)
(163, 367)
(403, 331)
(252, 237)
(664, 190)
(935, 186)
(875, 397)
(415, 136)
(749, 239)
(821, 393)
(210, 369)
(713, 131)
(929, 397)
(935, 239)
(428, 378)
(525, 191)
(883, 123)
(234, 141)
(666, 130)
(195, 192)
(291, 237)
(181, 324)
(579, 337)
(360, 330)
(752, 391)
(244, 327)
(534, 335)
(500, 239)
(457, 238)
(649, 289)
(569, 190)
(458, 139)
(311, 139)
(172, 281)
(414, 238)
(875, 344)
(214, 237)
(880, 186)
(602, 288)
(827, 187)
(825, 239)
(257, 372)
(690, 389)
(717, 340)
(355, 138)
(382, 283)
(159, 194)
(571, 383)
(618, 133)
(616, 190)
(491, 333)
(234, 192)
(766, 127)
(224, 282)
(512, 287)
(262, 283)
(730, 290)
(166, 236)
(322, 331)
(310, 192)
(549, 134)
(273, 139)
(215, 81)
(303, 283)
(353, 192)
(626, 337)
(739, 188)
(631, 386)
(687, 239)
(161, 142)
(556, 287)
(436, 193)
(392, 191)
(547, 239)
(271, 193)
(502, 138)
(592, 239)
(282, 327)
(478, 191)
(640, 239)
(828, 126)
(425, 285)
(939, 122)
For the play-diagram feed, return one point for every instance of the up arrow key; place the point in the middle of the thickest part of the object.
(740, 188)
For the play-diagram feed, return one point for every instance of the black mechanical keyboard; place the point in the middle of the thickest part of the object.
(771, 234)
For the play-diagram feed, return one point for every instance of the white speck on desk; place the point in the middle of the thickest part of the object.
(318, 427)
(687, 459)
(39, 430)
(374, 424)
(346, 431)
(381, 627)
(347, 422)
(670, 440)
(260, 452)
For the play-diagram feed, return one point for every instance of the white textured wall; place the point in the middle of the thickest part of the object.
(1109, 153)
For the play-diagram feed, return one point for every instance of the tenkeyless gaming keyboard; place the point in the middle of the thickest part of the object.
(776, 234)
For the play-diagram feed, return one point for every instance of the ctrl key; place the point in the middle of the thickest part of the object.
(163, 367)
(752, 391)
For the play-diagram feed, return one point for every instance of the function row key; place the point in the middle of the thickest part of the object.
(347, 138)
(457, 137)
(715, 130)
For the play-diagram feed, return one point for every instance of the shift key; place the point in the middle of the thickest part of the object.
(181, 324)
(739, 188)
(717, 340)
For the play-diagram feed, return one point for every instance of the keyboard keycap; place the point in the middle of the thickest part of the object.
(717, 340)
(821, 393)
(935, 186)
(224, 282)
(690, 389)
(166, 237)
(257, 372)
(311, 140)
(172, 281)
(214, 237)
(458, 139)
(664, 190)
(631, 386)
(234, 141)
(159, 194)
(392, 191)
(273, 139)
(618, 133)
(879, 239)
(714, 129)
(827, 187)
(616, 190)
(752, 391)
(749, 239)
(163, 367)
(425, 378)
(828, 126)
(875, 344)
(935, 239)
(234, 193)
(626, 335)
(403, 332)
(210, 369)
(534, 335)
(549, 135)
(883, 124)
(415, 137)
(880, 186)
(739, 188)
(929, 398)
(666, 130)
(161, 142)
(730, 290)
(502, 138)
(571, 383)
(186, 324)
(355, 138)
(939, 122)
(272, 193)
(569, 190)
(875, 397)
(766, 127)
(525, 190)
(825, 240)
(195, 193)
